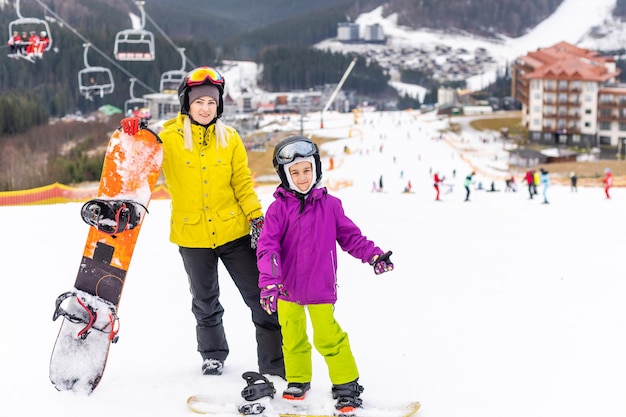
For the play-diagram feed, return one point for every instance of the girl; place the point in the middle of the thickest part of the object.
(297, 259)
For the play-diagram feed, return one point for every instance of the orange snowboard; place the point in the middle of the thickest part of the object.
(131, 169)
(130, 172)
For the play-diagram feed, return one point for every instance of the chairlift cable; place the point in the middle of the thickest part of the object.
(168, 39)
(95, 48)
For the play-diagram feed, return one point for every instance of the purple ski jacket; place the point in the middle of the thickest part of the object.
(299, 248)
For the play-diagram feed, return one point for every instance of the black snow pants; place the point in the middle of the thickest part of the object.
(240, 261)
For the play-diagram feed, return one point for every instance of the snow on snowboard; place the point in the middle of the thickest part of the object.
(280, 407)
(130, 171)
(259, 401)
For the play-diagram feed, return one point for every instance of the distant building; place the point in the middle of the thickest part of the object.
(348, 32)
(163, 106)
(452, 101)
(351, 32)
(289, 102)
(374, 33)
(569, 97)
(526, 158)
(559, 155)
(446, 96)
(612, 116)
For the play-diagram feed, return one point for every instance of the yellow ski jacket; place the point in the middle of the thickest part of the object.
(211, 187)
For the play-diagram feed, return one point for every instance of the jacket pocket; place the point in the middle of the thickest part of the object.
(233, 222)
(186, 228)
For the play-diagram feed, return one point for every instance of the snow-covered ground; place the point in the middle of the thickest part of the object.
(502, 306)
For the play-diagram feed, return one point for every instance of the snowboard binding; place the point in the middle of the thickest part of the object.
(83, 312)
(251, 409)
(257, 387)
(112, 216)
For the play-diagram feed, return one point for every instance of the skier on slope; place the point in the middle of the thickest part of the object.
(467, 183)
(216, 215)
(297, 259)
(436, 181)
(608, 181)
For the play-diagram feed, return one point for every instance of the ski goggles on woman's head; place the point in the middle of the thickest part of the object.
(291, 151)
(202, 74)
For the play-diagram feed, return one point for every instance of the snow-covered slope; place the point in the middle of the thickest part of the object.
(500, 307)
(579, 22)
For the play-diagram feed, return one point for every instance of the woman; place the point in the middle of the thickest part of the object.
(214, 212)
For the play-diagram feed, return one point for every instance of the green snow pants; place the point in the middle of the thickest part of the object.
(328, 337)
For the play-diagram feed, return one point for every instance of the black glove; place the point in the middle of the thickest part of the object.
(382, 263)
(256, 225)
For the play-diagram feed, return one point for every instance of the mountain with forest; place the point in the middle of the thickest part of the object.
(282, 36)
(210, 31)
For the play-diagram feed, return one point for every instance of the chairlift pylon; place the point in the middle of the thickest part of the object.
(135, 44)
(24, 48)
(170, 80)
(94, 79)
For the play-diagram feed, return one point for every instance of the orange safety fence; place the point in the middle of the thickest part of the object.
(60, 193)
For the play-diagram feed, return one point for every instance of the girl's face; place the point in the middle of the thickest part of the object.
(203, 110)
(302, 175)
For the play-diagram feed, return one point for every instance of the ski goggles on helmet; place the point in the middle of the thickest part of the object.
(291, 151)
(200, 75)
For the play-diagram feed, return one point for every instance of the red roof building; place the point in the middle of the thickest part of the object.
(569, 96)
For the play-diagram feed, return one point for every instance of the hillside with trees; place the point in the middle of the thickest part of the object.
(279, 34)
(480, 17)
(210, 31)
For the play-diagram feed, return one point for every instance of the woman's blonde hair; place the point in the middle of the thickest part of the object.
(221, 133)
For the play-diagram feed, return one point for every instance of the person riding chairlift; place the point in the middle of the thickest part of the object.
(14, 42)
(42, 44)
(32, 42)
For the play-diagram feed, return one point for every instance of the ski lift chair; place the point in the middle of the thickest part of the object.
(94, 80)
(131, 104)
(170, 80)
(134, 45)
(31, 24)
(28, 24)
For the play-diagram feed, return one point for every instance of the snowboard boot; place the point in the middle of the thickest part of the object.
(212, 367)
(112, 216)
(347, 396)
(296, 390)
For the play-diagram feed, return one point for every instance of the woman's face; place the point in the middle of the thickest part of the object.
(203, 110)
